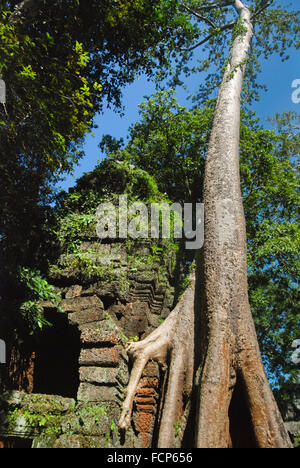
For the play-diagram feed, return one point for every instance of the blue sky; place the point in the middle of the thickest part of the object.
(276, 75)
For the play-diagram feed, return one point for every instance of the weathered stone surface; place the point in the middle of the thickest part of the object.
(293, 428)
(146, 439)
(123, 373)
(97, 393)
(146, 392)
(98, 375)
(134, 320)
(143, 408)
(17, 426)
(144, 422)
(44, 441)
(110, 290)
(99, 356)
(290, 409)
(129, 303)
(76, 304)
(79, 441)
(143, 400)
(88, 424)
(36, 403)
(98, 334)
(151, 370)
(86, 316)
(74, 291)
(151, 382)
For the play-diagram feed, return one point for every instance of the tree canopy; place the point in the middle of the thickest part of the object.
(62, 63)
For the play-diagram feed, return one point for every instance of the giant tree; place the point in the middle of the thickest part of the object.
(208, 343)
(62, 62)
(170, 141)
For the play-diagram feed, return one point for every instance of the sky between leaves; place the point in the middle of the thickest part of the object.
(278, 77)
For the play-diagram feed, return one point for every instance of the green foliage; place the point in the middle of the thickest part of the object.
(123, 336)
(134, 339)
(177, 427)
(271, 198)
(170, 143)
(76, 221)
(115, 177)
(83, 265)
(128, 339)
(238, 30)
(71, 227)
(61, 61)
(45, 423)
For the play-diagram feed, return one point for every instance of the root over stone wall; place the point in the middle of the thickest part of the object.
(105, 313)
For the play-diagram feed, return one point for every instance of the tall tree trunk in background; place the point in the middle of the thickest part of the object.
(209, 341)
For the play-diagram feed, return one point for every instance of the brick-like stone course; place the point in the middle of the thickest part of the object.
(105, 313)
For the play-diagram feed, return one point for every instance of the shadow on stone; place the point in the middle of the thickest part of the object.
(57, 354)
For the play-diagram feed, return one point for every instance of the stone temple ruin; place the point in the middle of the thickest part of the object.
(65, 388)
(76, 377)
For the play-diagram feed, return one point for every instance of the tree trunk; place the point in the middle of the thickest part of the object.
(209, 341)
(232, 365)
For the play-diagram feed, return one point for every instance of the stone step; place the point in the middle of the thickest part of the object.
(97, 393)
(95, 335)
(99, 375)
(102, 357)
(78, 304)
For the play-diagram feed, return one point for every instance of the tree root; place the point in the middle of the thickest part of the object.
(171, 344)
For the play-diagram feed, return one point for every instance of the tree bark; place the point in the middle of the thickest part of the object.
(209, 341)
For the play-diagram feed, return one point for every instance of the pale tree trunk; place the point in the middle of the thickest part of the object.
(209, 341)
(231, 356)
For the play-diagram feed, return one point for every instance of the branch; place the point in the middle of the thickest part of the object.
(211, 6)
(200, 17)
(20, 10)
(239, 5)
(258, 12)
(223, 28)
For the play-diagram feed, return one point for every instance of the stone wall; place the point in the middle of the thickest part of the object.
(290, 410)
(65, 389)
(80, 368)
